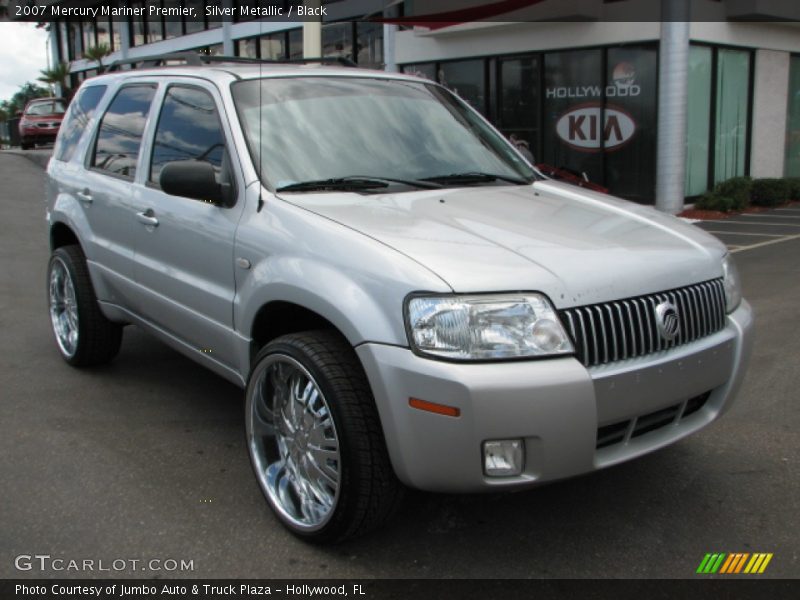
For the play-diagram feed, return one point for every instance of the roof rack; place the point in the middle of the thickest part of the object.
(196, 59)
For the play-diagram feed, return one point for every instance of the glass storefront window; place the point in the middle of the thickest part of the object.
(518, 110)
(138, 27)
(155, 30)
(467, 79)
(63, 41)
(698, 126)
(172, 27)
(104, 33)
(337, 39)
(631, 100)
(89, 38)
(116, 32)
(594, 111)
(273, 47)
(369, 45)
(733, 90)
(792, 168)
(426, 70)
(198, 24)
(213, 22)
(74, 40)
(573, 95)
(247, 48)
(295, 44)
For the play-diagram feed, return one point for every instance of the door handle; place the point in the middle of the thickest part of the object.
(147, 217)
(85, 196)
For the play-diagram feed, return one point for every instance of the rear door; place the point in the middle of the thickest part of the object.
(184, 247)
(105, 189)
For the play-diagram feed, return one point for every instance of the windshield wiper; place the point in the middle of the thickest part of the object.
(474, 177)
(353, 182)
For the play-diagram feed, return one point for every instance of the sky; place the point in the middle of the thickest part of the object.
(23, 53)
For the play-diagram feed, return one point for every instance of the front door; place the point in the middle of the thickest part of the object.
(184, 252)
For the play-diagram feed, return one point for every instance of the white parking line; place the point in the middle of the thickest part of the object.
(745, 233)
(766, 243)
(763, 216)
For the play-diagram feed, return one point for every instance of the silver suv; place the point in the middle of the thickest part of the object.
(404, 299)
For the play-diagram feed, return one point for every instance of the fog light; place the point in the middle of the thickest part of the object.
(503, 458)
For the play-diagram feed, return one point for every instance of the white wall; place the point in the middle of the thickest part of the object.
(487, 39)
(772, 36)
(769, 113)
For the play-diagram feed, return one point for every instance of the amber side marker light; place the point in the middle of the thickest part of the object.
(439, 409)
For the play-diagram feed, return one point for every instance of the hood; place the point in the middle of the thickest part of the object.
(578, 247)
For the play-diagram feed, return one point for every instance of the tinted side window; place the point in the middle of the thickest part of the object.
(188, 129)
(120, 135)
(76, 121)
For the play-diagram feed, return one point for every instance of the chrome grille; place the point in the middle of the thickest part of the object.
(612, 331)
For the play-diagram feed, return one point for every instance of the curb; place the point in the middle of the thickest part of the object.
(40, 160)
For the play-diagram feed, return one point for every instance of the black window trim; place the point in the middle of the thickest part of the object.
(89, 158)
(152, 141)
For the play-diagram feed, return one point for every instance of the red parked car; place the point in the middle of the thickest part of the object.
(40, 121)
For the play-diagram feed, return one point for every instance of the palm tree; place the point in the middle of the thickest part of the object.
(57, 75)
(97, 53)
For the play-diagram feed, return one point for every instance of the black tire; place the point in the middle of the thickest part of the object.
(26, 145)
(369, 492)
(98, 339)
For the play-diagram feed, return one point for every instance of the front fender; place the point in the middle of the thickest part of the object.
(357, 314)
(355, 282)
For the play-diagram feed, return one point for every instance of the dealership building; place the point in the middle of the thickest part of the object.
(657, 112)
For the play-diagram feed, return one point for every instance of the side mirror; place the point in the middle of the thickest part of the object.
(194, 179)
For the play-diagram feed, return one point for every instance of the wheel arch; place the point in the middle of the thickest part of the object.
(291, 294)
(62, 234)
(280, 317)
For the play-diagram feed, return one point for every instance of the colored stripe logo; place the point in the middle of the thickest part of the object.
(734, 563)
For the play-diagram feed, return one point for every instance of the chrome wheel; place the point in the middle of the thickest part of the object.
(63, 308)
(293, 442)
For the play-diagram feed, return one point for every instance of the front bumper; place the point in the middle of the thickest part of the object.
(557, 406)
(38, 134)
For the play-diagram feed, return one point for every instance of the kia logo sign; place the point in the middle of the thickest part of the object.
(581, 128)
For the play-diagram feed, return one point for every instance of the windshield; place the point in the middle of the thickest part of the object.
(46, 108)
(307, 129)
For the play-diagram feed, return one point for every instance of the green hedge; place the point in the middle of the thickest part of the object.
(794, 188)
(731, 194)
(770, 192)
(739, 192)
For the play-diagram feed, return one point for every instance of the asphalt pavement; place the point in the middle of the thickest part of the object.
(145, 459)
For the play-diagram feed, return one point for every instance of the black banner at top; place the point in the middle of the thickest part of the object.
(430, 13)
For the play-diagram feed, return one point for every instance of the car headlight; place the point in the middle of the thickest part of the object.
(731, 283)
(490, 327)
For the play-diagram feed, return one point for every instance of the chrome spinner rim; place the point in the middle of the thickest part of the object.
(293, 442)
(63, 308)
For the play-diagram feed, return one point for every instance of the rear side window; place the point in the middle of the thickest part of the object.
(188, 129)
(120, 135)
(77, 120)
